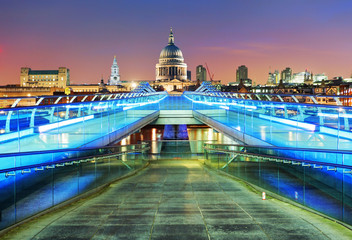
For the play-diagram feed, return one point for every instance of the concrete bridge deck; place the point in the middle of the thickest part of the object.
(179, 200)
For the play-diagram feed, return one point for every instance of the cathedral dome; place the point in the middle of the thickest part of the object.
(171, 51)
(171, 64)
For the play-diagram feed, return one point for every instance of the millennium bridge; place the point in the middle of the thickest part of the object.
(62, 159)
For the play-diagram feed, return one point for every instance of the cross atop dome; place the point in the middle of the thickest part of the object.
(171, 66)
(171, 37)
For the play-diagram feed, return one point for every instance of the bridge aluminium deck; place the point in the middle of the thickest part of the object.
(180, 200)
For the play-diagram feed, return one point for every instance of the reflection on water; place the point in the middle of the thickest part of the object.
(158, 136)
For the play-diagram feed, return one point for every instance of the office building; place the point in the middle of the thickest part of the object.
(45, 78)
(201, 73)
(274, 78)
(286, 75)
(241, 73)
(189, 75)
(300, 78)
(320, 77)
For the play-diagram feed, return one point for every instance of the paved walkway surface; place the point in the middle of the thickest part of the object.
(179, 200)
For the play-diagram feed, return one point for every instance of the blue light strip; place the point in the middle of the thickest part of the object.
(56, 125)
(307, 126)
(336, 132)
(15, 135)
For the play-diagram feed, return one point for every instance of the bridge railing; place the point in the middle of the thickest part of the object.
(325, 187)
(12, 102)
(27, 189)
(279, 123)
(53, 125)
(339, 100)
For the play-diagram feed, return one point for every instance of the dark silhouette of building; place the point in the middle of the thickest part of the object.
(189, 75)
(241, 73)
(201, 73)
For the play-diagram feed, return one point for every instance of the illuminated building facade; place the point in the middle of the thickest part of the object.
(171, 71)
(300, 78)
(320, 77)
(171, 63)
(11, 91)
(286, 75)
(45, 78)
(96, 88)
(274, 78)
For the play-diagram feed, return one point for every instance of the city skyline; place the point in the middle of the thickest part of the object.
(223, 34)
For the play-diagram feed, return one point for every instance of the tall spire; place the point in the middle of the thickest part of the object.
(115, 76)
(171, 37)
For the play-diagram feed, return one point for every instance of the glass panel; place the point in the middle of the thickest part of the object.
(87, 176)
(7, 199)
(65, 182)
(283, 124)
(9, 130)
(34, 191)
(325, 188)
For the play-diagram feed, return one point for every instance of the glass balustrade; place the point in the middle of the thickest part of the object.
(325, 187)
(282, 124)
(59, 126)
(27, 189)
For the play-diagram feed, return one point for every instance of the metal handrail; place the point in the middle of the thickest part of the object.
(272, 97)
(14, 154)
(284, 148)
(95, 97)
(269, 94)
(8, 112)
(73, 160)
(288, 160)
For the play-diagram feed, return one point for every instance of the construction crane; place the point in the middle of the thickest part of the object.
(211, 76)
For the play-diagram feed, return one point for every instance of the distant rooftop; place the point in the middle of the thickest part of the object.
(43, 72)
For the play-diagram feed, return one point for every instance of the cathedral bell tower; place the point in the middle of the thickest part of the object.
(115, 76)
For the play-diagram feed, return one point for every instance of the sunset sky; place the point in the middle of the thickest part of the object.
(261, 34)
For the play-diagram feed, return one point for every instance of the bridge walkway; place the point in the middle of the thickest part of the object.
(179, 200)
